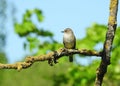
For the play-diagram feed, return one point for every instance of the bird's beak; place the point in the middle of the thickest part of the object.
(62, 31)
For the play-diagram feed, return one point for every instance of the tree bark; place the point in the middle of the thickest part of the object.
(105, 60)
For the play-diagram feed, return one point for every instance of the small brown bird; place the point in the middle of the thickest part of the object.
(69, 41)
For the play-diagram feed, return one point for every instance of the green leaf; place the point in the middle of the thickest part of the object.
(39, 15)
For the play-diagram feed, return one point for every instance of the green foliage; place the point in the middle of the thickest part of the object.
(27, 26)
(40, 74)
(3, 59)
(94, 35)
(29, 30)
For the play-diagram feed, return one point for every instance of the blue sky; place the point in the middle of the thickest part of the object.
(58, 15)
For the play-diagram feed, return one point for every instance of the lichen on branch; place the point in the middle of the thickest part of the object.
(51, 57)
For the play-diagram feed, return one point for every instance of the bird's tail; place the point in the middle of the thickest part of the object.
(71, 58)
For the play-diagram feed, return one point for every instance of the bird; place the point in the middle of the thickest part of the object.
(69, 41)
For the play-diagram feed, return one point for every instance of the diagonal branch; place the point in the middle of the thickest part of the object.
(50, 57)
(112, 24)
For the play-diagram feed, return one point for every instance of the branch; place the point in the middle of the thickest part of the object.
(50, 57)
(112, 24)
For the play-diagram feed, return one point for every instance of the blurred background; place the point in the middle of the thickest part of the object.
(34, 28)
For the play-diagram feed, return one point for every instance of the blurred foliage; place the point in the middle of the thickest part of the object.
(63, 73)
(3, 6)
(40, 74)
(3, 59)
(27, 26)
(30, 31)
(94, 35)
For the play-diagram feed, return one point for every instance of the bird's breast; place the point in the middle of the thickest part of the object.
(69, 41)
